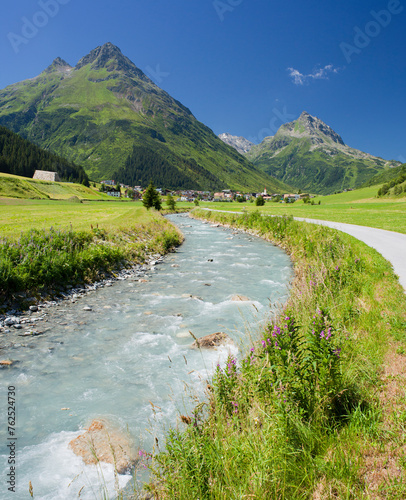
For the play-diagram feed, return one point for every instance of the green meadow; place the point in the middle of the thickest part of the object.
(18, 215)
(15, 186)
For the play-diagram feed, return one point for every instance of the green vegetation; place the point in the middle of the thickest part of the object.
(71, 243)
(106, 115)
(170, 202)
(386, 176)
(396, 186)
(18, 156)
(259, 201)
(298, 416)
(152, 198)
(13, 186)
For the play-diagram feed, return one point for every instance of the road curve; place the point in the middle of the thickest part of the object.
(391, 245)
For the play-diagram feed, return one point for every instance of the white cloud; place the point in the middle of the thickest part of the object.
(318, 74)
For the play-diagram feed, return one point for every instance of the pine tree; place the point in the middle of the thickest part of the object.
(171, 203)
(151, 198)
(259, 201)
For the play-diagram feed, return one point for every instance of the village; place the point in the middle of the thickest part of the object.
(117, 190)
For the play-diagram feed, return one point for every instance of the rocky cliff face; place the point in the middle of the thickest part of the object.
(241, 144)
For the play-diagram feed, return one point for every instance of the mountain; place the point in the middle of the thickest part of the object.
(107, 115)
(20, 157)
(241, 144)
(309, 154)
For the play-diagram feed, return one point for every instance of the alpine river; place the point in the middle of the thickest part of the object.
(130, 349)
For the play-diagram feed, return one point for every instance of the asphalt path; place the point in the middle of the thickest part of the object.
(391, 245)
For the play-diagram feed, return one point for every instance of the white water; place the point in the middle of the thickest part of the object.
(129, 350)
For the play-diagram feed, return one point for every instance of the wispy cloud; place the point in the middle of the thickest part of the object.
(318, 74)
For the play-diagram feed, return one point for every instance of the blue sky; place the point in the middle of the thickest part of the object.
(241, 66)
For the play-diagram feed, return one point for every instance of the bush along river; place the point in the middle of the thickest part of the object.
(119, 360)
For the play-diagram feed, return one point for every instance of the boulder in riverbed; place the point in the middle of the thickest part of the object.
(240, 298)
(100, 443)
(7, 362)
(212, 341)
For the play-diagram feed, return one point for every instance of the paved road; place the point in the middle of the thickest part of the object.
(391, 245)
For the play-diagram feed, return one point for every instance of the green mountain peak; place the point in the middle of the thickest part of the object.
(309, 154)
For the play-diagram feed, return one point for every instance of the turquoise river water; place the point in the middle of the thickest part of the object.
(131, 349)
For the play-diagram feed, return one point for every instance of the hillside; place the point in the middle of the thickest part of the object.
(107, 115)
(309, 154)
(13, 186)
(20, 157)
(387, 175)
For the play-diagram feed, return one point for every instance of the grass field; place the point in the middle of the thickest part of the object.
(355, 207)
(17, 216)
(14, 186)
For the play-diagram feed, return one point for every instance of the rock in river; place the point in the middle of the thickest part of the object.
(240, 298)
(7, 362)
(100, 443)
(212, 341)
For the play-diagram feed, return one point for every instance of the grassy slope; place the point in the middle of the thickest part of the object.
(386, 175)
(297, 420)
(13, 186)
(355, 207)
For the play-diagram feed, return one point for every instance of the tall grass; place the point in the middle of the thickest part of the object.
(293, 417)
(55, 258)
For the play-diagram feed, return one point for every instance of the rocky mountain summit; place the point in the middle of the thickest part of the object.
(310, 154)
(312, 127)
(241, 144)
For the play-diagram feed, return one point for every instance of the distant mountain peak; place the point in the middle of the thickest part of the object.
(109, 56)
(58, 64)
(310, 126)
(241, 144)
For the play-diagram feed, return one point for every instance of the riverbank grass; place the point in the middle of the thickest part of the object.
(98, 240)
(299, 415)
